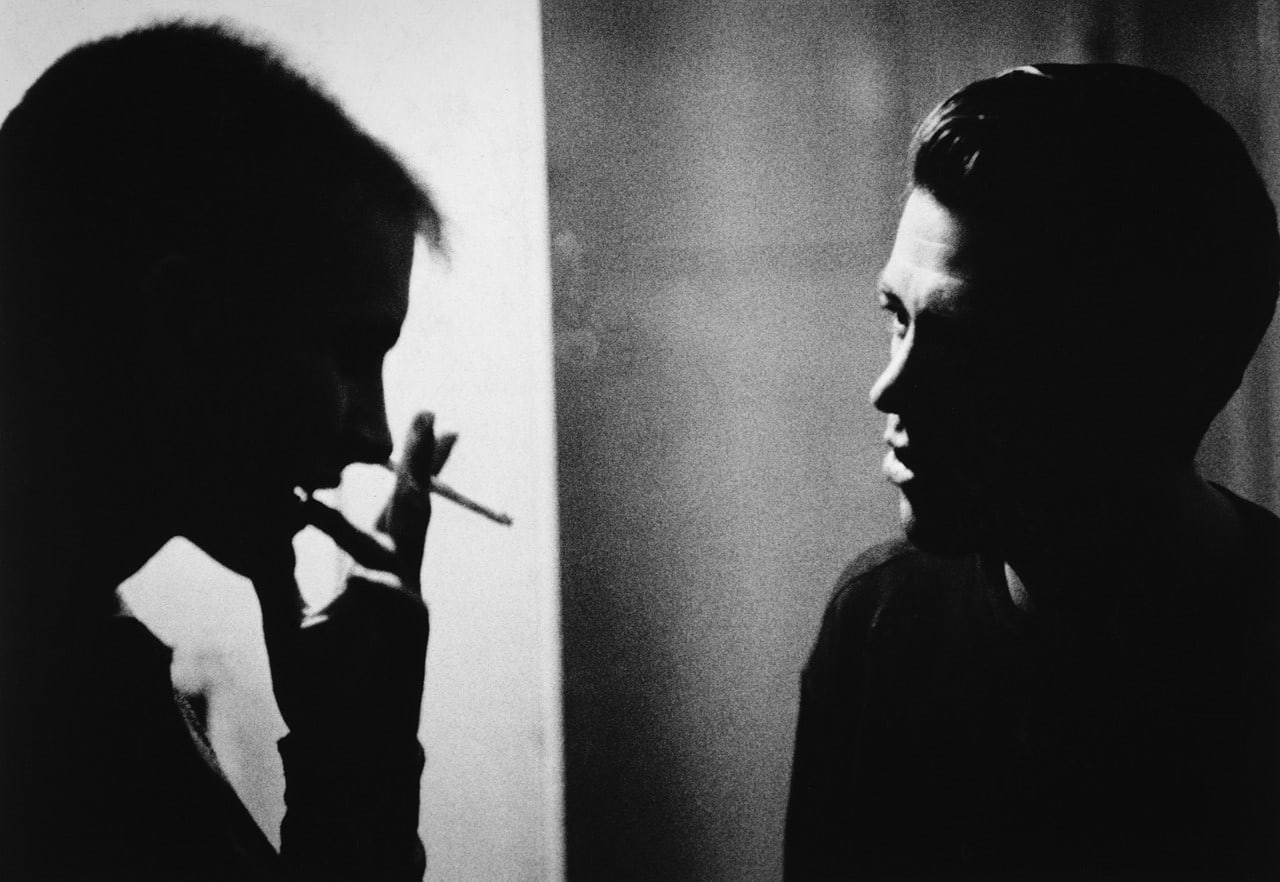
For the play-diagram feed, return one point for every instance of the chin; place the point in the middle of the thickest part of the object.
(937, 528)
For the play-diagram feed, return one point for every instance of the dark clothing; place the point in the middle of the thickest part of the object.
(943, 733)
(107, 776)
(116, 782)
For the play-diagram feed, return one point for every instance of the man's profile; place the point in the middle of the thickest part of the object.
(203, 261)
(1069, 668)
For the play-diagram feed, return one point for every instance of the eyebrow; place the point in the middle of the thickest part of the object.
(373, 329)
(882, 288)
(943, 307)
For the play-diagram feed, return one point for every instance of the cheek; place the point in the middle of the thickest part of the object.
(1041, 445)
(998, 441)
(317, 404)
(296, 403)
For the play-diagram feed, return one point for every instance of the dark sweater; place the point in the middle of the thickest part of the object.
(106, 775)
(945, 734)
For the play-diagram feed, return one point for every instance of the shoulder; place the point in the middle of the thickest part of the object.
(1260, 523)
(1256, 574)
(1259, 556)
(892, 574)
(892, 582)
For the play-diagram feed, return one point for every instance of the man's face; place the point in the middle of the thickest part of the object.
(986, 431)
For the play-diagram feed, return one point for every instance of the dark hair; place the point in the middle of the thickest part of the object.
(1126, 183)
(176, 139)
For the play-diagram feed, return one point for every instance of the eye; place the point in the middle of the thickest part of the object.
(357, 357)
(898, 318)
(359, 346)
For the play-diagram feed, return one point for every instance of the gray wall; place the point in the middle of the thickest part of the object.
(724, 180)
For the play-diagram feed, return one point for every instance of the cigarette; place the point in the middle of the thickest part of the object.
(440, 488)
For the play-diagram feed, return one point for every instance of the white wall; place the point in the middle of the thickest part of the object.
(455, 87)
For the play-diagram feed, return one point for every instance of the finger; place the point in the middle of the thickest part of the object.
(408, 500)
(279, 597)
(420, 446)
(444, 446)
(407, 514)
(366, 550)
(405, 520)
(252, 534)
(411, 479)
(281, 603)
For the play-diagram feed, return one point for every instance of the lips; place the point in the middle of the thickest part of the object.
(895, 469)
(323, 481)
(317, 477)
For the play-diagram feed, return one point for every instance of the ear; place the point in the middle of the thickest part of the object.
(174, 298)
(192, 315)
(187, 329)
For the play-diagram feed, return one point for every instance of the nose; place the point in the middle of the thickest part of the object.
(370, 435)
(889, 390)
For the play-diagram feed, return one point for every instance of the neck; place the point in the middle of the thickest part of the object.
(68, 547)
(1173, 521)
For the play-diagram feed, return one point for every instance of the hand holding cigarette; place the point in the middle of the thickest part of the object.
(405, 517)
(355, 666)
(361, 656)
(407, 513)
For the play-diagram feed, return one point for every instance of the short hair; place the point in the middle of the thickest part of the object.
(1127, 182)
(177, 139)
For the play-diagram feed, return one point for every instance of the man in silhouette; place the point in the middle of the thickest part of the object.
(1068, 667)
(202, 264)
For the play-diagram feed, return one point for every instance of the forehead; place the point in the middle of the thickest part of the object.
(932, 265)
(366, 270)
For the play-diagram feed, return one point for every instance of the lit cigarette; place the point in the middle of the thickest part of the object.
(440, 488)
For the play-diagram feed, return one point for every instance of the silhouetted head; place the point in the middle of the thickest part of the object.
(1086, 262)
(203, 261)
